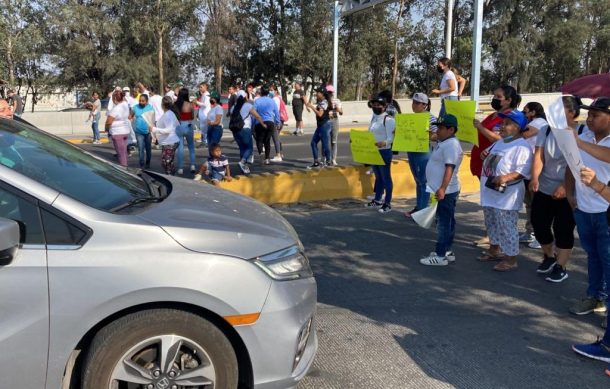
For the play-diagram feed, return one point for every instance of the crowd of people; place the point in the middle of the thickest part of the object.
(519, 163)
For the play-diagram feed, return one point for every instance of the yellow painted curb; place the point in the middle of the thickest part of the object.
(333, 183)
(85, 140)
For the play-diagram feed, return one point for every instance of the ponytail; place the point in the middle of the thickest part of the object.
(511, 93)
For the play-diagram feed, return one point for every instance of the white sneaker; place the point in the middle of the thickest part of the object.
(277, 158)
(251, 158)
(334, 162)
(180, 171)
(193, 169)
(198, 177)
(97, 142)
(534, 245)
(526, 238)
(450, 256)
(244, 167)
(434, 260)
(267, 162)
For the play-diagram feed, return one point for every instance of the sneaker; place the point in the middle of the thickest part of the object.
(534, 244)
(595, 350)
(588, 305)
(526, 237)
(408, 213)
(251, 159)
(450, 256)
(193, 169)
(373, 204)
(547, 265)
(315, 165)
(301, 133)
(277, 158)
(385, 208)
(558, 274)
(198, 177)
(334, 162)
(267, 162)
(434, 260)
(244, 167)
(295, 132)
(97, 142)
(180, 171)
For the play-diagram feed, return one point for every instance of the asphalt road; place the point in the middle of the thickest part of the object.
(386, 321)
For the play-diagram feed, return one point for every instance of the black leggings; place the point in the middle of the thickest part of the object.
(548, 212)
(263, 137)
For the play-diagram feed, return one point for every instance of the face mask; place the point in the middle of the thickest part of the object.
(508, 138)
(439, 69)
(142, 105)
(271, 94)
(496, 104)
(377, 111)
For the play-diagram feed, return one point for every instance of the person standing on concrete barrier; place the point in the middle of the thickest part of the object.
(185, 131)
(298, 103)
(119, 126)
(448, 89)
(419, 161)
(335, 112)
(323, 129)
(442, 178)
(382, 126)
(269, 112)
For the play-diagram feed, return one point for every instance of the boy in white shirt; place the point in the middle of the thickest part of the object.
(442, 179)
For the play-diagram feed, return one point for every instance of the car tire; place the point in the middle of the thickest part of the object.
(114, 342)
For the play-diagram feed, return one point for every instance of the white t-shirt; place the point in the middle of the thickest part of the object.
(447, 152)
(165, 129)
(245, 114)
(587, 199)
(171, 94)
(204, 107)
(449, 75)
(121, 124)
(383, 132)
(155, 101)
(505, 158)
(217, 110)
(537, 123)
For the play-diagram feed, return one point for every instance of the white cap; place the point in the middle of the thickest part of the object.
(421, 98)
(126, 89)
(241, 93)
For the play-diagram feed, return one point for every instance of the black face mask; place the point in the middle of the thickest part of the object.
(142, 105)
(377, 111)
(439, 69)
(496, 104)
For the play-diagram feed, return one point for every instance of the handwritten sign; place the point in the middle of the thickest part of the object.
(412, 132)
(464, 111)
(363, 148)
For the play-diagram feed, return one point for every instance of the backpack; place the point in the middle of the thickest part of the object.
(236, 122)
(283, 111)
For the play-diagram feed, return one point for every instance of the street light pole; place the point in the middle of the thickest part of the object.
(449, 28)
(337, 16)
(477, 41)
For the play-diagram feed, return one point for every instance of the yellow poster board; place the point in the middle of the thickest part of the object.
(464, 111)
(363, 148)
(412, 132)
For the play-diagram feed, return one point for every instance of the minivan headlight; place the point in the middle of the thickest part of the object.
(287, 264)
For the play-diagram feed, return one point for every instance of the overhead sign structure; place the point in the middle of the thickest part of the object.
(349, 7)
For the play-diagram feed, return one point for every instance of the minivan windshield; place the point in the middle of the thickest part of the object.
(66, 168)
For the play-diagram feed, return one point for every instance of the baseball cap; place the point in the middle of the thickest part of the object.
(330, 89)
(517, 117)
(421, 98)
(377, 99)
(599, 104)
(446, 120)
(126, 89)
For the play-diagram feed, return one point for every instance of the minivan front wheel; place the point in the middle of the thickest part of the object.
(160, 349)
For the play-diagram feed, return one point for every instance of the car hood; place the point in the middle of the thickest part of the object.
(207, 219)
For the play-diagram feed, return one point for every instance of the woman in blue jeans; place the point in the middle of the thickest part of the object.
(419, 161)
(184, 110)
(243, 135)
(214, 121)
(382, 126)
(323, 129)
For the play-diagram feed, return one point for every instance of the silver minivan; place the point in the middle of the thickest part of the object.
(112, 278)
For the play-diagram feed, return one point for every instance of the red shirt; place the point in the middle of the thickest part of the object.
(186, 116)
(476, 164)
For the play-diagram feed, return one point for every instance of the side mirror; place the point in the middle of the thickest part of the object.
(9, 240)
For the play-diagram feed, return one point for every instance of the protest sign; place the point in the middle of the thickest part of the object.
(412, 132)
(464, 111)
(363, 148)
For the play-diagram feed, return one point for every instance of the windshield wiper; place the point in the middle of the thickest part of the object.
(137, 200)
(149, 183)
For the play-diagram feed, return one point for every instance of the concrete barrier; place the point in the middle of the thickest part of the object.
(336, 183)
(355, 112)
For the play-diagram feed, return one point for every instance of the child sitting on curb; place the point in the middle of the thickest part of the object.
(216, 169)
(442, 179)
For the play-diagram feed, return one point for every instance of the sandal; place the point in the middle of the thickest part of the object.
(505, 266)
(486, 256)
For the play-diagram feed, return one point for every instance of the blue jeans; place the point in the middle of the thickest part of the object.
(595, 240)
(185, 130)
(322, 134)
(243, 139)
(144, 148)
(417, 163)
(445, 223)
(383, 177)
(96, 130)
(442, 112)
(214, 135)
